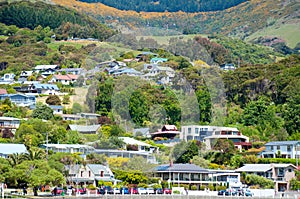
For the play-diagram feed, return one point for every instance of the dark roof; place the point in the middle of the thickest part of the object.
(181, 168)
(282, 143)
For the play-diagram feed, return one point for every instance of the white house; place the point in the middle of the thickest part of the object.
(209, 134)
(8, 77)
(9, 122)
(64, 79)
(89, 174)
(283, 149)
(155, 72)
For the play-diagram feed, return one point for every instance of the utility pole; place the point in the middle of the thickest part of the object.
(47, 146)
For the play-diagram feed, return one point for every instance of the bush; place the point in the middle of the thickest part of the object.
(202, 187)
(194, 187)
(221, 188)
(176, 192)
(211, 187)
(91, 187)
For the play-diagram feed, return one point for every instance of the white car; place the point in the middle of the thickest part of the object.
(150, 190)
(117, 191)
(142, 190)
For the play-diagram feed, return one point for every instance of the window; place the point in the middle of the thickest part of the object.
(196, 130)
(89, 173)
(101, 173)
(81, 173)
(278, 147)
(290, 170)
(280, 172)
(189, 130)
(271, 148)
(288, 147)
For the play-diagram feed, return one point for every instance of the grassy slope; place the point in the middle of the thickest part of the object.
(290, 32)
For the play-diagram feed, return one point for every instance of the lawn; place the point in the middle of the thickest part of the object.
(164, 40)
(289, 32)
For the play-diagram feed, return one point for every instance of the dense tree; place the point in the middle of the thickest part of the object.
(42, 111)
(53, 100)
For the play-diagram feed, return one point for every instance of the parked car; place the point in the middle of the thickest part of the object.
(109, 190)
(221, 192)
(101, 191)
(57, 191)
(117, 191)
(247, 193)
(159, 191)
(133, 191)
(124, 190)
(167, 191)
(150, 190)
(231, 192)
(142, 190)
(80, 190)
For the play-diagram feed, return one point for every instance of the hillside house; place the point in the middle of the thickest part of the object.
(281, 174)
(282, 149)
(90, 174)
(48, 89)
(85, 129)
(20, 99)
(64, 79)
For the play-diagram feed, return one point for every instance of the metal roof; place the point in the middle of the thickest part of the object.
(180, 168)
(8, 149)
(132, 141)
(82, 128)
(282, 143)
(261, 167)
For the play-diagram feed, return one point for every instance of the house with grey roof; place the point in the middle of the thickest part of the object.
(69, 148)
(281, 174)
(85, 129)
(281, 149)
(182, 174)
(89, 174)
(7, 149)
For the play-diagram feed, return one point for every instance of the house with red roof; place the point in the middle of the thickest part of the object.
(64, 79)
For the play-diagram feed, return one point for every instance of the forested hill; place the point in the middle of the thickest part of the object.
(25, 14)
(169, 5)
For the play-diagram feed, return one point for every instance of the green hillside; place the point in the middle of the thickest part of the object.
(31, 15)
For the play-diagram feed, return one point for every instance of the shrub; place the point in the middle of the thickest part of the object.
(176, 192)
(202, 187)
(193, 187)
(91, 187)
(220, 188)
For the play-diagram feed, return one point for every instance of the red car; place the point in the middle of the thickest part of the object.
(133, 191)
(167, 191)
(81, 190)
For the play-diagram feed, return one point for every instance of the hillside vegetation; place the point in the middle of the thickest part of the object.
(65, 21)
(167, 5)
(240, 21)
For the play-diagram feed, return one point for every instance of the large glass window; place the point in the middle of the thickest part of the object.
(189, 130)
(196, 130)
(289, 148)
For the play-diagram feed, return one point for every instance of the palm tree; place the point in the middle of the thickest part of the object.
(35, 154)
(15, 159)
